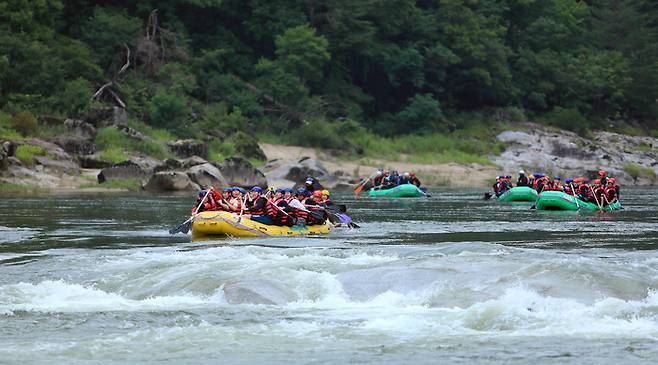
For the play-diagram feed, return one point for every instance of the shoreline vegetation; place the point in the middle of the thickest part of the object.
(425, 86)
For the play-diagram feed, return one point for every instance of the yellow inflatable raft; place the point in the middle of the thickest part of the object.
(226, 224)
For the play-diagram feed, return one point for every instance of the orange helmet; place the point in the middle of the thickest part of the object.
(317, 193)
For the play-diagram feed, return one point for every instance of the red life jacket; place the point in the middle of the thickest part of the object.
(611, 194)
(255, 210)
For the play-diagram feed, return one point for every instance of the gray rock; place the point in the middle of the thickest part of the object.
(66, 166)
(207, 175)
(239, 172)
(170, 181)
(569, 155)
(188, 148)
(81, 128)
(134, 134)
(192, 161)
(76, 145)
(123, 170)
(52, 149)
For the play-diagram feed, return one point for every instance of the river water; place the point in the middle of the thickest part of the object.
(449, 279)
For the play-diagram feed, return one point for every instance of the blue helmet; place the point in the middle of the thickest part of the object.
(257, 189)
(240, 190)
(288, 190)
(280, 190)
(303, 191)
(557, 178)
(228, 190)
(568, 180)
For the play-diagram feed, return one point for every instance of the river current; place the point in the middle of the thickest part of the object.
(97, 279)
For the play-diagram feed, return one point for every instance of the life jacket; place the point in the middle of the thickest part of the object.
(255, 209)
(235, 204)
(585, 192)
(568, 190)
(611, 194)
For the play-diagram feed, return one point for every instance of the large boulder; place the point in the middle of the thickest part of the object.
(93, 162)
(124, 170)
(66, 166)
(76, 145)
(192, 161)
(238, 171)
(207, 175)
(247, 146)
(80, 128)
(51, 149)
(188, 148)
(170, 181)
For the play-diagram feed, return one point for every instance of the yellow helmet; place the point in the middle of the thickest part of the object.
(325, 192)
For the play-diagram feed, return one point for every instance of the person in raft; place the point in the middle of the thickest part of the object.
(522, 180)
(280, 207)
(385, 180)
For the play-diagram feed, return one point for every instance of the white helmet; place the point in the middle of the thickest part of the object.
(521, 172)
(406, 174)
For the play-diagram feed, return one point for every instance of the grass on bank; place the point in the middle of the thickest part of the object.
(26, 153)
(125, 184)
(6, 188)
(350, 141)
(636, 171)
(113, 145)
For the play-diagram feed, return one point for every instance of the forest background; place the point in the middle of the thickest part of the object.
(429, 78)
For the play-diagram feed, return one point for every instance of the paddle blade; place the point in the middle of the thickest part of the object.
(487, 196)
(358, 189)
(182, 228)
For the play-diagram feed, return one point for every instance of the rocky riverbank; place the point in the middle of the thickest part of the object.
(70, 162)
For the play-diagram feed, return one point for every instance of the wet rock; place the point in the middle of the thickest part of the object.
(80, 128)
(207, 175)
(170, 181)
(238, 171)
(188, 148)
(76, 145)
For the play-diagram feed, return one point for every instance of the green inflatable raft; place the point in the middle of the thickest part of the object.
(400, 191)
(557, 200)
(519, 194)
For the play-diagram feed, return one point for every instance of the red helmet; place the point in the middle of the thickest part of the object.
(602, 173)
(412, 174)
(597, 181)
(317, 193)
(612, 180)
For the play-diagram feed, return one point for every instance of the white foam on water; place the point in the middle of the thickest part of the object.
(59, 296)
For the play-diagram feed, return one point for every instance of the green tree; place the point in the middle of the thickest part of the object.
(301, 52)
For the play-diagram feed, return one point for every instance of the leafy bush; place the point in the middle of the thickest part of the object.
(26, 152)
(636, 171)
(569, 119)
(169, 111)
(25, 123)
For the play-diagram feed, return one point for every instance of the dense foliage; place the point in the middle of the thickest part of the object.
(389, 66)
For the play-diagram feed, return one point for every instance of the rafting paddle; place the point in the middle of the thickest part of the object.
(185, 226)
